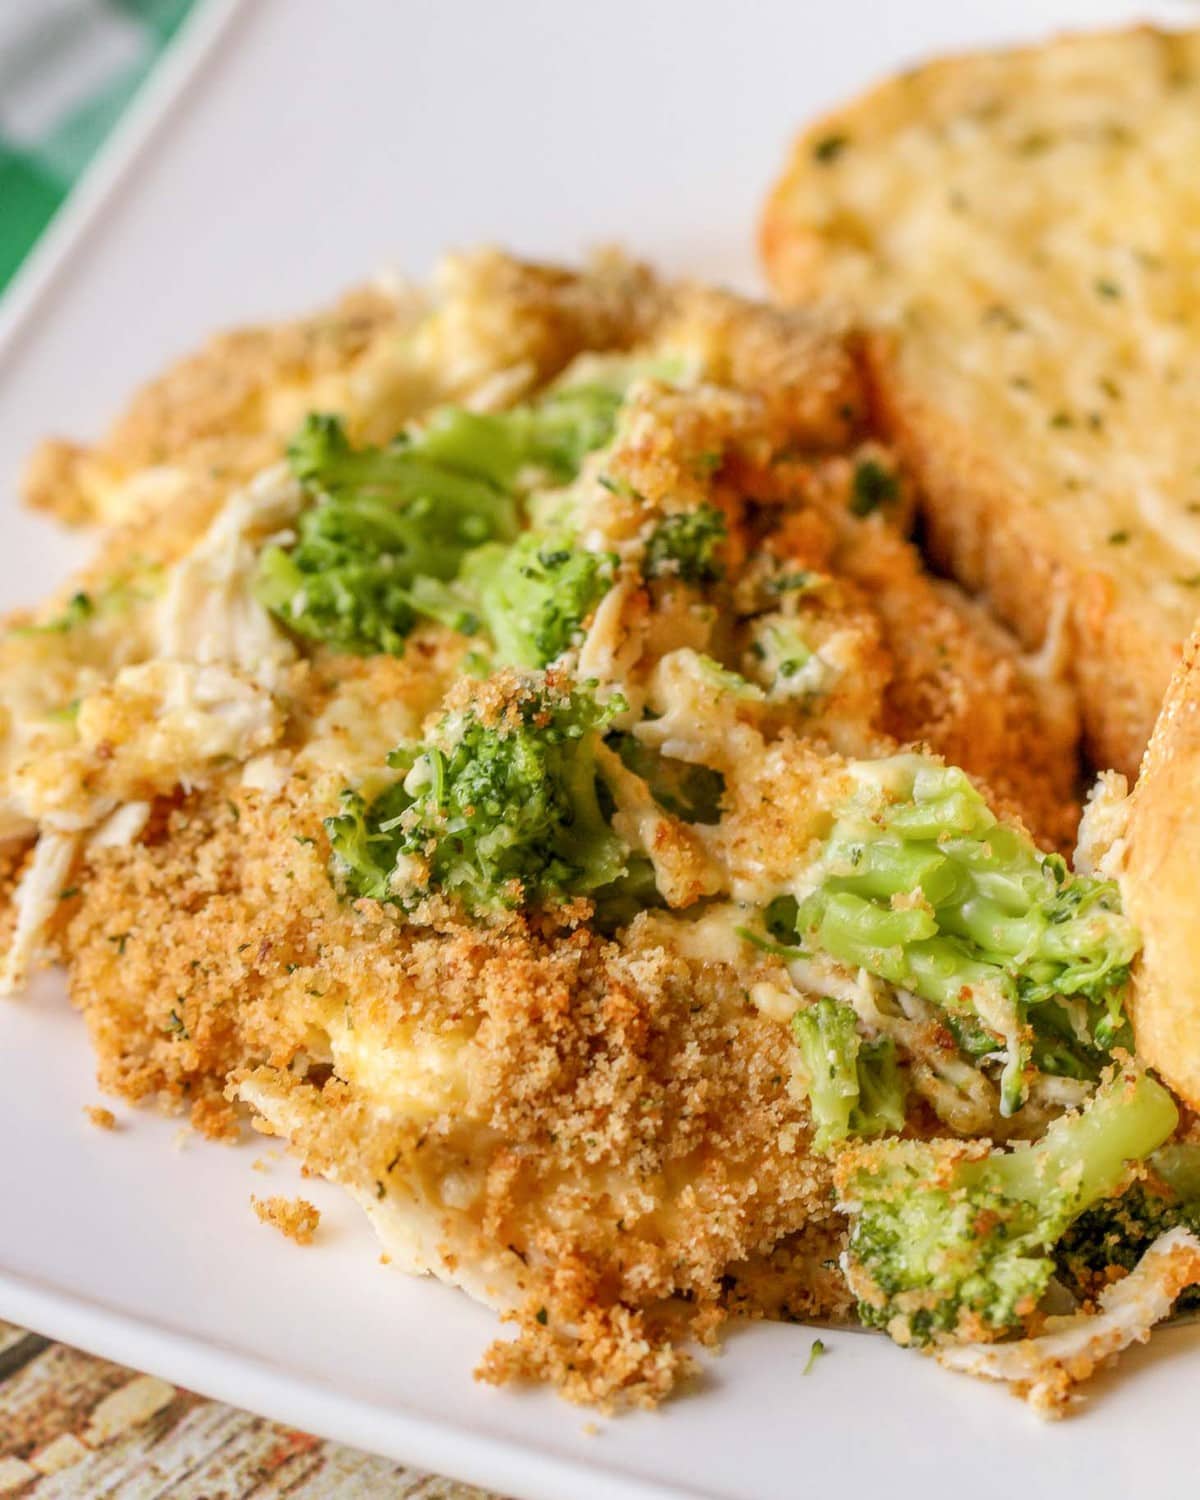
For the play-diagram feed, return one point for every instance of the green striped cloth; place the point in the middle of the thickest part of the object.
(68, 68)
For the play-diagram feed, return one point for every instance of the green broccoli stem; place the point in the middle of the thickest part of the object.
(921, 885)
(1087, 1154)
(879, 869)
(854, 1086)
(1179, 1167)
(554, 435)
(827, 1036)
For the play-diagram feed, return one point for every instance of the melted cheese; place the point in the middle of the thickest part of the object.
(413, 1076)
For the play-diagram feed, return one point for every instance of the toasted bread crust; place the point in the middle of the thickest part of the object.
(1159, 882)
(983, 533)
(1017, 232)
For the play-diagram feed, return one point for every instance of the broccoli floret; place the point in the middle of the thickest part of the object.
(1113, 1236)
(535, 595)
(552, 436)
(920, 884)
(687, 546)
(687, 791)
(389, 526)
(364, 841)
(499, 808)
(946, 1242)
(854, 1086)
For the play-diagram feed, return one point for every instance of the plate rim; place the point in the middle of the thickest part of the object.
(499, 1464)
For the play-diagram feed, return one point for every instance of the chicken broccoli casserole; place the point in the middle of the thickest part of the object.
(507, 748)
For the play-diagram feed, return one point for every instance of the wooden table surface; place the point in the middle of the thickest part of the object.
(73, 1427)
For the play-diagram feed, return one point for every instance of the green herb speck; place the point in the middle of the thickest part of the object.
(873, 486)
(794, 583)
(707, 463)
(829, 148)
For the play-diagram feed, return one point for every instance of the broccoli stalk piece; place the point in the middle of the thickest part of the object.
(498, 808)
(535, 595)
(854, 1086)
(687, 545)
(945, 1242)
(920, 884)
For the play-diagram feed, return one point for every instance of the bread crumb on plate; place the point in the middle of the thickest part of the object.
(296, 1218)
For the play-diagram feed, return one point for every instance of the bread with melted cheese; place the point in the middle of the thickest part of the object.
(1158, 864)
(1018, 234)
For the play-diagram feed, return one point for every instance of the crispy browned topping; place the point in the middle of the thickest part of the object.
(296, 1218)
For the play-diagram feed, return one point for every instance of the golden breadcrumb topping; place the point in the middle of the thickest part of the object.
(296, 1218)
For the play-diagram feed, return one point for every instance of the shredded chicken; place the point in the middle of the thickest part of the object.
(209, 613)
(1045, 1370)
(36, 899)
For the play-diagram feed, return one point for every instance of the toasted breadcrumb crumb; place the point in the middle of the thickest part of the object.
(101, 1118)
(296, 1218)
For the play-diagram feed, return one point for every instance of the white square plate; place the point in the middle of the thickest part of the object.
(315, 144)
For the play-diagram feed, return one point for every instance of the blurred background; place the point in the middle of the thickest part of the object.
(68, 70)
